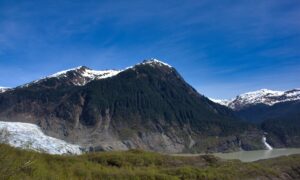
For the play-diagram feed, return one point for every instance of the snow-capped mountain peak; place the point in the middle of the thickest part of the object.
(262, 92)
(87, 73)
(64, 72)
(81, 75)
(4, 89)
(263, 96)
(154, 62)
(78, 76)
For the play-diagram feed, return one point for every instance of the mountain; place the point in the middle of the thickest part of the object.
(147, 106)
(276, 112)
(263, 104)
(263, 96)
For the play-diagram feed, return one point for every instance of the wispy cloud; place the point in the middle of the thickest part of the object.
(208, 41)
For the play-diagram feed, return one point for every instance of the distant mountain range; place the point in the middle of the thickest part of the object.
(276, 112)
(147, 106)
(263, 96)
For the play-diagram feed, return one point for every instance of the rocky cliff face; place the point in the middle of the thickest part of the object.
(147, 106)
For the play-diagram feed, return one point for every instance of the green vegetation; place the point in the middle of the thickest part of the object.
(136, 164)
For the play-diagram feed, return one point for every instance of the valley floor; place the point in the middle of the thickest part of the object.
(136, 164)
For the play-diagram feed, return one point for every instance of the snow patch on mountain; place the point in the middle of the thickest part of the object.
(79, 76)
(30, 136)
(87, 73)
(64, 72)
(154, 61)
(224, 102)
(95, 74)
(263, 96)
(4, 89)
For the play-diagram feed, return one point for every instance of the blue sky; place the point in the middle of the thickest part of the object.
(222, 48)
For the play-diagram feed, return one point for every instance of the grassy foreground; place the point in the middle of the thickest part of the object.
(136, 164)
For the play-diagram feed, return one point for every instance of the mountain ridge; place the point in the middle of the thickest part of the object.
(87, 74)
(262, 96)
(147, 106)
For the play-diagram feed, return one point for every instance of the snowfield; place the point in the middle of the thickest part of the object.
(154, 61)
(30, 136)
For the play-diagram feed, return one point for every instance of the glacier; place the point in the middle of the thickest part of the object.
(30, 136)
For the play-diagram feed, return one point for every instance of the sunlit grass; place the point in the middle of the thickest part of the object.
(134, 164)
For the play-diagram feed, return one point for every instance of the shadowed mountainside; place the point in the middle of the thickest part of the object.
(148, 106)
